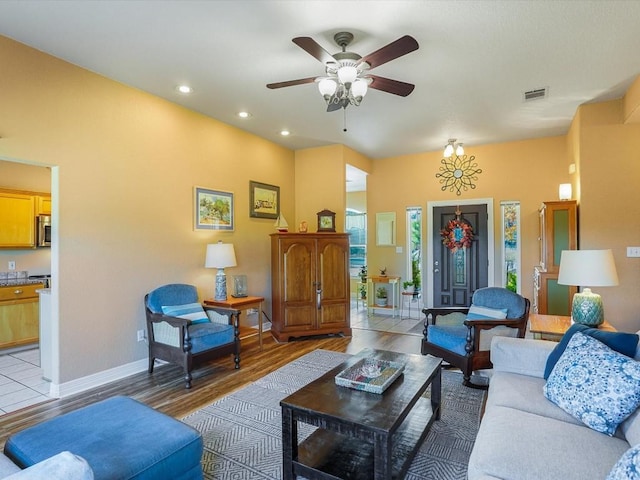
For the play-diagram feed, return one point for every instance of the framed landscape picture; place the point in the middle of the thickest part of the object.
(213, 209)
(264, 200)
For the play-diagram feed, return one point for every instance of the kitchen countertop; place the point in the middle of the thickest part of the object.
(20, 281)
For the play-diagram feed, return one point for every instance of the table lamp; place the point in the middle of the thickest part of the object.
(587, 268)
(220, 255)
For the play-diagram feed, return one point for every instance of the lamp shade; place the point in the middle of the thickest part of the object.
(587, 268)
(220, 255)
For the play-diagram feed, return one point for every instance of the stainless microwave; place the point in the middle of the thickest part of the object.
(43, 231)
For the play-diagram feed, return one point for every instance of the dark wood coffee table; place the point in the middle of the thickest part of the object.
(362, 435)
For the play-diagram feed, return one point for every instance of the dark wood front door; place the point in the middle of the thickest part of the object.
(456, 275)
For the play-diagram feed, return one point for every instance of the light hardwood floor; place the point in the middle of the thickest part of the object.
(164, 390)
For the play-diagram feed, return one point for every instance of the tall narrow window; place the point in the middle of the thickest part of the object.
(414, 248)
(356, 225)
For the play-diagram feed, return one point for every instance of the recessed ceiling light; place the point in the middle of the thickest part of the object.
(285, 133)
(244, 114)
(184, 89)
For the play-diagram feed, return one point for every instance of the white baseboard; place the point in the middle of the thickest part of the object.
(60, 390)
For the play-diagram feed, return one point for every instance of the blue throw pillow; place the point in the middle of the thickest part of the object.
(625, 343)
(190, 311)
(628, 467)
(595, 384)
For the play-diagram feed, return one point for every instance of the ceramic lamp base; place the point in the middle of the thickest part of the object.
(587, 308)
(221, 286)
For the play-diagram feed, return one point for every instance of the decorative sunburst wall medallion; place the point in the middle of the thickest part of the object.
(458, 173)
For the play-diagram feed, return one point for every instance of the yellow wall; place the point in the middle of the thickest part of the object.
(127, 164)
(528, 171)
(320, 184)
(610, 203)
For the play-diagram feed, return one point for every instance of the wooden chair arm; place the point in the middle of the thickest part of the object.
(485, 323)
(173, 321)
(434, 312)
(233, 314)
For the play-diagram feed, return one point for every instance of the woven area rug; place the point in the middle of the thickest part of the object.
(242, 431)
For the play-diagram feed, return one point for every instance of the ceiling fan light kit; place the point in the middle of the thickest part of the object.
(347, 78)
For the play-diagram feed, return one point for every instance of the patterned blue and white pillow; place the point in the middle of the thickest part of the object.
(190, 311)
(628, 467)
(595, 384)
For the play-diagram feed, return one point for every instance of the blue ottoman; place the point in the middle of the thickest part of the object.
(119, 437)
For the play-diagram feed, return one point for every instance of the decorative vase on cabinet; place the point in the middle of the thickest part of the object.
(310, 284)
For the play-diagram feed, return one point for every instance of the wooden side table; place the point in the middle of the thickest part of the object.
(242, 303)
(552, 327)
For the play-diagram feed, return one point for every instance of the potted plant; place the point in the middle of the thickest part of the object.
(363, 291)
(363, 274)
(381, 297)
(406, 285)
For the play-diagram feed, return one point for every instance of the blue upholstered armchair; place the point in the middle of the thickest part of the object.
(462, 337)
(182, 331)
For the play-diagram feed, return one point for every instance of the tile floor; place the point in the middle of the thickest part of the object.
(22, 385)
(21, 382)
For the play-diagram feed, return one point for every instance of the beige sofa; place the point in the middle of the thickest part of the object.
(524, 436)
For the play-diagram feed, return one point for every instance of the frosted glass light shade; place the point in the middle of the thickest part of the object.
(359, 88)
(347, 74)
(448, 150)
(459, 150)
(564, 191)
(327, 86)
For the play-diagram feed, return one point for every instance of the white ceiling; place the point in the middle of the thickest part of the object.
(476, 58)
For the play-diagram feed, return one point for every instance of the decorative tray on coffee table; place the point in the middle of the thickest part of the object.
(370, 374)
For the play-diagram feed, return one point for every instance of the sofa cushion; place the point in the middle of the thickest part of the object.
(628, 467)
(451, 337)
(524, 393)
(206, 336)
(516, 445)
(594, 383)
(624, 343)
(189, 311)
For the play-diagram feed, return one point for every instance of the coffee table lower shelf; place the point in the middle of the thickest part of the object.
(329, 455)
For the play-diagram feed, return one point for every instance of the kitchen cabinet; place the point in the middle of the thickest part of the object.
(310, 284)
(17, 221)
(19, 315)
(558, 223)
(43, 205)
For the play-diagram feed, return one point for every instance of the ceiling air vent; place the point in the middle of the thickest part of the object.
(536, 94)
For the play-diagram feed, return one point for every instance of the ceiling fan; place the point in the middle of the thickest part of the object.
(347, 74)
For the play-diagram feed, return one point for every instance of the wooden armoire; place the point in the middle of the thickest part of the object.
(310, 284)
(558, 231)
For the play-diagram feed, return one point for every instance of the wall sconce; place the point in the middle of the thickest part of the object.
(220, 255)
(564, 191)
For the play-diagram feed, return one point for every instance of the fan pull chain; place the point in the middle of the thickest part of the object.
(344, 109)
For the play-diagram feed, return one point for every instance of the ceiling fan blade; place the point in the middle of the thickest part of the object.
(396, 49)
(388, 85)
(291, 83)
(312, 47)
